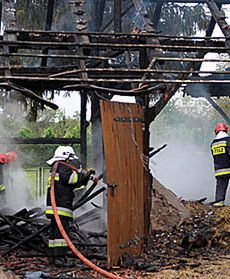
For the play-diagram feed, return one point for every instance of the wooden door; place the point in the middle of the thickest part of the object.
(123, 129)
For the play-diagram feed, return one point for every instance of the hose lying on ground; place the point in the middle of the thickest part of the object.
(65, 236)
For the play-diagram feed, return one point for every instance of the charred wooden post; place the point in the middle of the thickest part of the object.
(117, 16)
(10, 24)
(49, 19)
(219, 17)
(0, 15)
(144, 61)
(98, 14)
(157, 13)
(81, 26)
(128, 4)
(98, 156)
(83, 131)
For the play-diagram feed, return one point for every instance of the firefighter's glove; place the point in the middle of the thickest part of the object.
(91, 171)
(85, 177)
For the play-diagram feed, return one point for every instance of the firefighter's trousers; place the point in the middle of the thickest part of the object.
(221, 187)
(57, 246)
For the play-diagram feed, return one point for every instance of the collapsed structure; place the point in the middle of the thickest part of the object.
(101, 66)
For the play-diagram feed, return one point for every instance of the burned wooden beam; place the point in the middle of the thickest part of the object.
(135, 70)
(93, 195)
(133, 92)
(67, 56)
(134, 46)
(157, 151)
(33, 35)
(191, 1)
(26, 239)
(112, 80)
(29, 94)
(219, 17)
(90, 189)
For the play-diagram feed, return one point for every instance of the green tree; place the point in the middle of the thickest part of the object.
(50, 124)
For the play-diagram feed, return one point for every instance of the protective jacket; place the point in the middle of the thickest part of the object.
(65, 182)
(221, 155)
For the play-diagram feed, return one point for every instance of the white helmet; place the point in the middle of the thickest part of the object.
(71, 152)
(62, 153)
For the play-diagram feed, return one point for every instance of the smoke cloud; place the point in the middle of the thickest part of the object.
(185, 166)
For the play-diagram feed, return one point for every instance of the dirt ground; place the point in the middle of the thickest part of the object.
(198, 247)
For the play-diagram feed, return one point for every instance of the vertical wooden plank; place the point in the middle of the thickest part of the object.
(123, 127)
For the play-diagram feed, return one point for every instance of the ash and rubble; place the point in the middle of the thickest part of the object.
(183, 234)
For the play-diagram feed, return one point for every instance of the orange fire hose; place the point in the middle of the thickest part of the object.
(65, 236)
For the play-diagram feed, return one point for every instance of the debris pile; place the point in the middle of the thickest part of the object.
(23, 229)
(24, 241)
(186, 235)
(167, 209)
(202, 238)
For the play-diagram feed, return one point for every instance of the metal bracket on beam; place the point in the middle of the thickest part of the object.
(112, 188)
(127, 119)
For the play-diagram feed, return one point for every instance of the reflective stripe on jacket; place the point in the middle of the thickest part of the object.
(61, 211)
(2, 187)
(57, 243)
(222, 172)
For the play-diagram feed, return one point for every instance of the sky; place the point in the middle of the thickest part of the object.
(69, 105)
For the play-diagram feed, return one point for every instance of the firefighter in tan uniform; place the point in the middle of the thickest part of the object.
(220, 148)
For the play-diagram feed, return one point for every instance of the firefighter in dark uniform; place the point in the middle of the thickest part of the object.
(220, 148)
(65, 182)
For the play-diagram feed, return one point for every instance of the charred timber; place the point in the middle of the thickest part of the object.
(103, 46)
(26, 239)
(29, 94)
(183, 1)
(134, 91)
(112, 80)
(191, 1)
(67, 56)
(37, 35)
(124, 70)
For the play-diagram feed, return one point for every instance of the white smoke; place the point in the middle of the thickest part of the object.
(18, 193)
(185, 169)
(185, 166)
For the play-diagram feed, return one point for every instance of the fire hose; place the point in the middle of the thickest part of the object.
(63, 232)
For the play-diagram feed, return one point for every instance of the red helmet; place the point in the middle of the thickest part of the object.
(220, 127)
(12, 156)
(4, 158)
